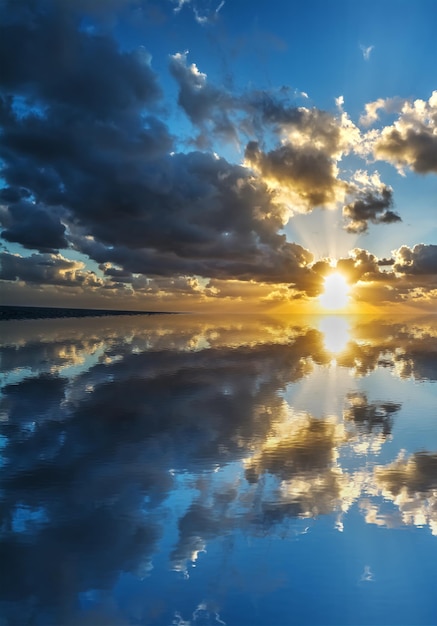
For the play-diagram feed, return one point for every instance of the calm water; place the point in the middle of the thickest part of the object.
(179, 470)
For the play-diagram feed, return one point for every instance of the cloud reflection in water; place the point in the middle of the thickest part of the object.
(130, 446)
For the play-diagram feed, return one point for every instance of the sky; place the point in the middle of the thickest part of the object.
(211, 155)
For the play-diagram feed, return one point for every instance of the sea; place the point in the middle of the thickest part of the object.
(181, 470)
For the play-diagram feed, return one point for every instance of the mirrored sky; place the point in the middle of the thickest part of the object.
(189, 470)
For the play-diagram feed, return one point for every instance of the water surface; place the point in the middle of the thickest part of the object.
(180, 470)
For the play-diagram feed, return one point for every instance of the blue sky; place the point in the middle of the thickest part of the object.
(156, 153)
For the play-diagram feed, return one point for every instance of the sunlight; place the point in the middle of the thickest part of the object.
(336, 333)
(336, 290)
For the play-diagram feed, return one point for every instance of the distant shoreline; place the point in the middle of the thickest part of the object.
(8, 312)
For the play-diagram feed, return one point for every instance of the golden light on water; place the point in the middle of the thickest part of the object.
(336, 333)
(336, 292)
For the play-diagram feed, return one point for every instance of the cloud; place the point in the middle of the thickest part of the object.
(113, 528)
(133, 408)
(97, 165)
(203, 10)
(305, 445)
(180, 4)
(411, 141)
(370, 416)
(170, 232)
(335, 135)
(303, 170)
(306, 173)
(34, 227)
(34, 400)
(125, 395)
(209, 17)
(410, 277)
(419, 260)
(80, 72)
(371, 202)
(89, 164)
(207, 106)
(47, 269)
(370, 207)
(366, 50)
(372, 109)
(411, 484)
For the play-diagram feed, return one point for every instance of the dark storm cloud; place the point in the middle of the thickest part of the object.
(385, 262)
(12, 195)
(47, 269)
(89, 154)
(195, 214)
(207, 106)
(116, 274)
(33, 227)
(57, 64)
(73, 115)
(273, 109)
(370, 207)
(419, 260)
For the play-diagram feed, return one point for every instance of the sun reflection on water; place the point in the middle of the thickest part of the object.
(336, 333)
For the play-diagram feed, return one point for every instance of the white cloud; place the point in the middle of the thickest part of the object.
(366, 50)
(180, 4)
(389, 105)
(412, 139)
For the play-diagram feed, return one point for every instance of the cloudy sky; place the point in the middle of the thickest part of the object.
(206, 154)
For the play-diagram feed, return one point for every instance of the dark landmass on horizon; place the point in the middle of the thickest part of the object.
(9, 312)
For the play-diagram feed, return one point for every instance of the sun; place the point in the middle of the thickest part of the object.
(336, 292)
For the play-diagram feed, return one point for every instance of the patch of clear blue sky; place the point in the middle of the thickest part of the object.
(313, 47)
